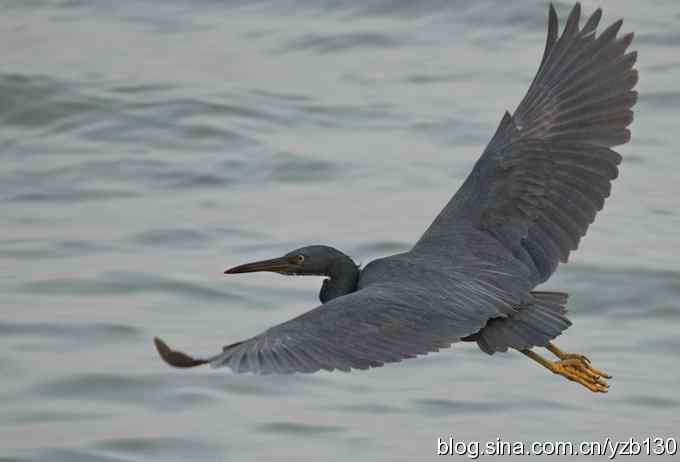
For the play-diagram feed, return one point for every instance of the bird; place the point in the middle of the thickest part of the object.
(473, 275)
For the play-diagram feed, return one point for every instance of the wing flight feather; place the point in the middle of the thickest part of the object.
(548, 168)
(379, 324)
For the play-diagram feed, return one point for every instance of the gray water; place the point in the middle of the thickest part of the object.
(147, 146)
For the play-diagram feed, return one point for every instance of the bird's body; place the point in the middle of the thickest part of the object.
(472, 275)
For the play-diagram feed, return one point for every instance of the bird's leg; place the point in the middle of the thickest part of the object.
(573, 369)
(564, 355)
(576, 358)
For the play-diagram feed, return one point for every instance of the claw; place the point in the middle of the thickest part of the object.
(577, 356)
(585, 367)
(574, 367)
(578, 370)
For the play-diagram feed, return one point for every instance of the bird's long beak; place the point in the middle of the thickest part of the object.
(275, 264)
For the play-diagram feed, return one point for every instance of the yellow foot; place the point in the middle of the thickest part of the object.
(580, 357)
(574, 367)
(577, 357)
(579, 370)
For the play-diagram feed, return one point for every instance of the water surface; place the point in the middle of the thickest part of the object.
(147, 146)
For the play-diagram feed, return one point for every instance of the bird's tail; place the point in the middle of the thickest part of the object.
(534, 324)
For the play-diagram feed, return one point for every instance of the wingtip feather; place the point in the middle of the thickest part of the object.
(176, 358)
(593, 21)
(551, 37)
(572, 21)
(552, 18)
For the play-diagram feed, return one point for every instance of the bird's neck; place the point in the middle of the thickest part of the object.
(343, 275)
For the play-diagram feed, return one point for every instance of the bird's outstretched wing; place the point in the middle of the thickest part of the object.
(378, 324)
(548, 168)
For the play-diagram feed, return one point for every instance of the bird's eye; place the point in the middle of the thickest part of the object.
(300, 258)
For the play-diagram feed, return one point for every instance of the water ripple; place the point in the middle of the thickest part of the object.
(108, 387)
(32, 101)
(427, 79)
(100, 332)
(648, 401)
(73, 455)
(164, 448)
(172, 237)
(438, 407)
(28, 249)
(145, 114)
(66, 194)
(145, 88)
(648, 297)
(298, 429)
(662, 39)
(336, 43)
(39, 417)
(366, 408)
(291, 168)
(661, 99)
(125, 283)
(173, 391)
(350, 116)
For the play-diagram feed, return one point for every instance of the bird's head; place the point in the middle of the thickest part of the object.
(314, 260)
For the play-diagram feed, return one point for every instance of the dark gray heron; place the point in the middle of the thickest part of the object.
(472, 276)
